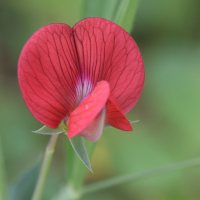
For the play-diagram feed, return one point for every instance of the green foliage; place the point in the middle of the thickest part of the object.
(3, 183)
(126, 13)
(99, 8)
(122, 12)
(22, 188)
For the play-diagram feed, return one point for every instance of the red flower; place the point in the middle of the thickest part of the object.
(87, 75)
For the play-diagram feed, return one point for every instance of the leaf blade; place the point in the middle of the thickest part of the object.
(23, 187)
(99, 8)
(79, 147)
(140, 175)
(48, 131)
(126, 13)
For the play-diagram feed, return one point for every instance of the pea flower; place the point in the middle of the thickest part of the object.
(87, 76)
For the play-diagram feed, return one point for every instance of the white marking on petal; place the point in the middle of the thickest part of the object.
(83, 88)
(78, 91)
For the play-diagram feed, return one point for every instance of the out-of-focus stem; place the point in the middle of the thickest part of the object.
(45, 167)
(139, 175)
(3, 185)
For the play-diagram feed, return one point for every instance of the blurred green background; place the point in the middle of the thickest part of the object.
(168, 35)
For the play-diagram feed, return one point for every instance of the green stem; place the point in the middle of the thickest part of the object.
(78, 171)
(69, 159)
(3, 186)
(136, 176)
(45, 167)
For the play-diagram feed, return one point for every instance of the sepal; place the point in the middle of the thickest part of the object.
(45, 130)
(79, 147)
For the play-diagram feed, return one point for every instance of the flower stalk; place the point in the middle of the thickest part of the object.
(45, 168)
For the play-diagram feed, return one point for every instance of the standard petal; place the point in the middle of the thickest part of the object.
(88, 110)
(115, 116)
(48, 72)
(108, 52)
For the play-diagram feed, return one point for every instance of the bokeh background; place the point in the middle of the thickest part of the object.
(168, 35)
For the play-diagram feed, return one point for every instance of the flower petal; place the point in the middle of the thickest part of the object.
(94, 130)
(108, 52)
(48, 72)
(88, 110)
(115, 116)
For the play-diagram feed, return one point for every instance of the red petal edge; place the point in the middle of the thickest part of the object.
(91, 106)
(115, 116)
(48, 74)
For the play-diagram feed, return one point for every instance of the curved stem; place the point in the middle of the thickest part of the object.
(139, 175)
(45, 167)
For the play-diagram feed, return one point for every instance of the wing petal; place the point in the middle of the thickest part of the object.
(115, 116)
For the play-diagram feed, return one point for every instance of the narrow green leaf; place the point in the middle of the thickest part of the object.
(126, 13)
(139, 175)
(79, 147)
(131, 122)
(99, 8)
(122, 12)
(23, 187)
(76, 171)
(48, 131)
(65, 192)
(3, 185)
